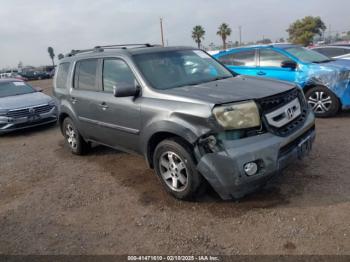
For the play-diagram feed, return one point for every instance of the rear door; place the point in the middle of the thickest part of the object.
(270, 65)
(243, 62)
(83, 97)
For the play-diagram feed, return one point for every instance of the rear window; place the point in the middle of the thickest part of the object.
(62, 75)
(86, 74)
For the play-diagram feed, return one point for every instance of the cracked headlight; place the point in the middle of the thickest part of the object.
(238, 115)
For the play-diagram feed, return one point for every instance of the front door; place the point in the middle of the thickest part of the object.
(270, 66)
(119, 117)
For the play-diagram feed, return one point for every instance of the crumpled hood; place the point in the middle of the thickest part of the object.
(234, 89)
(26, 100)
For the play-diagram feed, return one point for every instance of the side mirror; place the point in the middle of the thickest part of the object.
(124, 90)
(289, 64)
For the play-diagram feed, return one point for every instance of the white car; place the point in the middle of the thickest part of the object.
(334, 51)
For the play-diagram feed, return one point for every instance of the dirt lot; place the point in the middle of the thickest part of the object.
(108, 202)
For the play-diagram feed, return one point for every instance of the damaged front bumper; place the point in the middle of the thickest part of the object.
(224, 170)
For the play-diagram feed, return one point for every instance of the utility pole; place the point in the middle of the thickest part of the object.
(240, 35)
(161, 30)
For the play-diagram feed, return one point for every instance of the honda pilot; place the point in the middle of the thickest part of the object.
(194, 121)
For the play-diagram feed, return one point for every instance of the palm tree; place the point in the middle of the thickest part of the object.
(51, 54)
(198, 33)
(224, 32)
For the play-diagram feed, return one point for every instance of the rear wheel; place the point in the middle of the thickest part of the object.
(322, 101)
(73, 139)
(176, 169)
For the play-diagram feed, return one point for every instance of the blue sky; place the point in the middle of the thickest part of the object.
(29, 27)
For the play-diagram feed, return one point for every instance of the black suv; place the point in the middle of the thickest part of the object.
(191, 118)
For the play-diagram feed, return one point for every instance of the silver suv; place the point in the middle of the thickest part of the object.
(192, 119)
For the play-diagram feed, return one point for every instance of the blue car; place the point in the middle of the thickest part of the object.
(325, 81)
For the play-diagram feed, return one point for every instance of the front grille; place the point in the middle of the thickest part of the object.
(270, 104)
(25, 112)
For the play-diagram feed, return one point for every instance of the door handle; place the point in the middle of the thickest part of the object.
(104, 105)
(261, 73)
(74, 100)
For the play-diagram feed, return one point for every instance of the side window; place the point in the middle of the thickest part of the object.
(271, 58)
(85, 75)
(244, 58)
(62, 75)
(116, 72)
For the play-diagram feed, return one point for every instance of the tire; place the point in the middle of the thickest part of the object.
(173, 161)
(322, 101)
(73, 140)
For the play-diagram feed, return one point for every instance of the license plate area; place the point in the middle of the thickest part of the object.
(304, 147)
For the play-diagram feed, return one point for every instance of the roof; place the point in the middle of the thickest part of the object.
(276, 45)
(121, 49)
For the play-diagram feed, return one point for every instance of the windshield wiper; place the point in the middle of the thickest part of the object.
(323, 61)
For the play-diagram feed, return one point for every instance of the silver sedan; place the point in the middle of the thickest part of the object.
(21, 106)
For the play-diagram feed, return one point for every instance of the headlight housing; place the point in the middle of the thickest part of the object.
(238, 115)
(52, 103)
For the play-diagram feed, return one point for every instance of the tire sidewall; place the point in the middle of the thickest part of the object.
(194, 178)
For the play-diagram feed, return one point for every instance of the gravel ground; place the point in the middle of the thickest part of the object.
(108, 202)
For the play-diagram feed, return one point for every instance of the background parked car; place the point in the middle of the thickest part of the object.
(22, 106)
(325, 81)
(35, 75)
(334, 51)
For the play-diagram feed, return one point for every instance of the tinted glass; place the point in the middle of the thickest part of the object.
(171, 69)
(85, 76)
(244, 58)
(116, 72)
(271, 58)
(62, 75)
(15, 88)
(307, 55)
(346, 51)
(330, 51)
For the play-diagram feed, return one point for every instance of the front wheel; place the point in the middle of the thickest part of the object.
(322, 101)
(174, 165)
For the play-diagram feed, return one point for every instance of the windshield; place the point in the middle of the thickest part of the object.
(171, 69)
(307, 55)
(15, 88)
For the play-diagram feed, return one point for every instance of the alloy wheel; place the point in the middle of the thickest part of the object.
(71, 136)
(320, 102)
(173, 171)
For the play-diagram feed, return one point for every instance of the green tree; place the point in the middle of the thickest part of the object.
(60, 56)
(198, 33)
(51, 54)
(224, 31)
(303, 31)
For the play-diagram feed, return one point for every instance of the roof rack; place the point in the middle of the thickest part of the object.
(101, 48)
